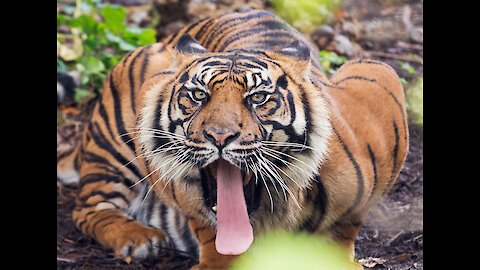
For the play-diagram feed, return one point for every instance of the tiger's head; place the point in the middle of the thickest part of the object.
(240, 133)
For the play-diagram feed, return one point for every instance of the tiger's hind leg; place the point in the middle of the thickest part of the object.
(101, 211)
(67, 166)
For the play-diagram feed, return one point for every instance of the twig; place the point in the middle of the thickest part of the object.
(389, 242)
(65, 260)
(412, 46)
(395, 56)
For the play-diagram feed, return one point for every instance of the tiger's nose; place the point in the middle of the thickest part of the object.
(220, 138)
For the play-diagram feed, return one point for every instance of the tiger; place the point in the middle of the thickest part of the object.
(229, 128)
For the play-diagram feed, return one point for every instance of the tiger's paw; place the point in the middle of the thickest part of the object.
(136, 240)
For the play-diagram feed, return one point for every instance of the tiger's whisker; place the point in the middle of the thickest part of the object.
(161, 166)
(166, 173)
(292, 157)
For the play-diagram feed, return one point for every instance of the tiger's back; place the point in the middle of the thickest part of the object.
(363, 125)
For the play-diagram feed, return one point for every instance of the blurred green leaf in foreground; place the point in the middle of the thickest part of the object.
(287, 251)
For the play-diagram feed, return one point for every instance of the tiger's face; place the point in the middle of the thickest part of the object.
(241, 131)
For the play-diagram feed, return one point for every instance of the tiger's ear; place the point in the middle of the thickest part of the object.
(188, 45)
(297, 49)
(297, 54)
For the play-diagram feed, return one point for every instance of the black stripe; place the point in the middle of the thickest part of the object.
(149, 210)
(223, 25)
(369, 61)
(395, 159)
(254, 60)
(131, 80)
(126, 58)
(263, 31)
(106, 120)
(95, 177)
(355, 78)
(385, 88)
(164, 219)
(401, 113)
(106, 196)
(189, 240)
(173, 37)
(193, 25)
(374, 167)
(102, 162)
(360, 181)
(85, 217)
(186, 30)
(103, 143)
(162, 73)
(202, 31)
(319, 202)
(172, 185)
(118, 116)
(93, 225)
(65, 154)
(144, 67)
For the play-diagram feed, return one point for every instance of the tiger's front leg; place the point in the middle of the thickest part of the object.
(101, 212)
(209, 258)
(344, 233)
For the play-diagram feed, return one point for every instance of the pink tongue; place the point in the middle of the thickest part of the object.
(234, 232)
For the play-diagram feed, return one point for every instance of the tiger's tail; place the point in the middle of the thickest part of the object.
(68, 165)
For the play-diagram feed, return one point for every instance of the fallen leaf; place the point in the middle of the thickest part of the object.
(400, 258)
(371, 261)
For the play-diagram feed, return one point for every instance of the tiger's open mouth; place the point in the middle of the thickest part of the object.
(251, 190)
(232, 195)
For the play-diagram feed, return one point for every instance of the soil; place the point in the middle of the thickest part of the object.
(391, 237)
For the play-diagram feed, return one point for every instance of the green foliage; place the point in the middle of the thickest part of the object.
(305, 15)
(406, 67)
(99, 39)
(330, 62)
(414, 101)
(285, 251)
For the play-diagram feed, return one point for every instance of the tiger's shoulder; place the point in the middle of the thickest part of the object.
(370, 132)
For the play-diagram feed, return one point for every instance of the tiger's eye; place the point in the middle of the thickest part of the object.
(199, 94)
(258, 97)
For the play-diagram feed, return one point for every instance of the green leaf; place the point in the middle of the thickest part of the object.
(114, 17)
(93, 65)
(109, 59)
(140, 36)
(80, 94)
(61, 67)
(147, 37)
(61, 19)
(121, 43)
(86, 23)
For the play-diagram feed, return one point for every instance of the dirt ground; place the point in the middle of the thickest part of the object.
(392, 236)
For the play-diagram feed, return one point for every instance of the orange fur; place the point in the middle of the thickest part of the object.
(356, 143)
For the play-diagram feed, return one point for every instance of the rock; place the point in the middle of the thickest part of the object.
(344, 46)
(352, 30)
(323, 36)
(416, 35)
